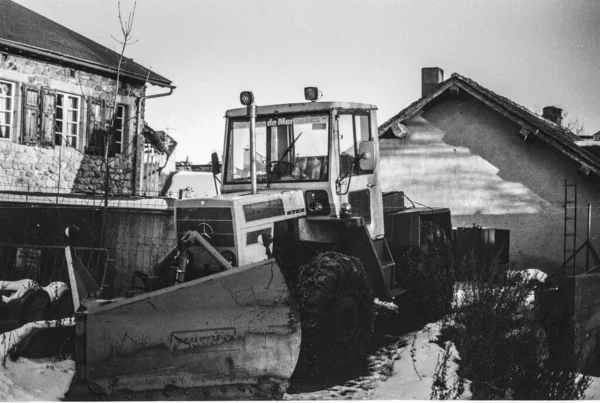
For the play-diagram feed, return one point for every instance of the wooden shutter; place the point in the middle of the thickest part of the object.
(95, 127)
(30, 115)
(109, 122)
(48, 117)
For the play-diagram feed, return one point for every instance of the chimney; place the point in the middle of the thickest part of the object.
(553, 114)
(430, 78)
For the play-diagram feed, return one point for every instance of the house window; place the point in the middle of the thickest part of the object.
(120, 121)
(6, 108)
(66, 124)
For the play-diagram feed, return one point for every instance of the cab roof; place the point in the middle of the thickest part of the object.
(298, 107)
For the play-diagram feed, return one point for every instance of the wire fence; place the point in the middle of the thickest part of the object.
(56, 194)
(46, 264)
(132, 232)
(48, 196)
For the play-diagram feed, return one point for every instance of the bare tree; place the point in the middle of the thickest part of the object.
(575, 125)
(125, 41)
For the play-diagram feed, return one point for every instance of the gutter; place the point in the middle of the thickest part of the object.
(139, 127)
(81, 62)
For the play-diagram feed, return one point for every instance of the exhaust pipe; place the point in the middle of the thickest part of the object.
(252, 116)
(247, 99)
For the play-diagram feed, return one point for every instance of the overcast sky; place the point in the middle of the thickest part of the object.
(537, 53)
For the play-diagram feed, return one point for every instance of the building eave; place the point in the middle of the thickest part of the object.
(11, 46)
(562, 143)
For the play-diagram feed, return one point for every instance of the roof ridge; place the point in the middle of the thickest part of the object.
(42, 35)
(513, 103)
(559, 137)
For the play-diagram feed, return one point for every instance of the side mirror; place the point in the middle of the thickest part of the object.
(216, 165)
(366, 155)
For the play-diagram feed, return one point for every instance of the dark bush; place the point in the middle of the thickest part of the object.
(427, 273)
(507, 348)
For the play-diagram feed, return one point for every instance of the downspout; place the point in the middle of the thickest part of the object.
(139, 185)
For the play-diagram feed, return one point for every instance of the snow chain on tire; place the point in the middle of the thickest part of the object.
(336, 308)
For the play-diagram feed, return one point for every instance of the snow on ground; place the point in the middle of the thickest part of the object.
(593, 392)
(413, 373)
(10, 339)
(393, 375)
(407, 379)
(35, 380)
(28, 379)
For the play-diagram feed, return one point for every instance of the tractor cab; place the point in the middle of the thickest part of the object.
(325, 149)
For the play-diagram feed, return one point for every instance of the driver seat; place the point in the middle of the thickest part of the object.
(282, 169)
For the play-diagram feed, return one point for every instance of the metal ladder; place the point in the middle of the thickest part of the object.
(570, 233)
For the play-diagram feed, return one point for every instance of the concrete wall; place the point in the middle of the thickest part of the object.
(138, 240)
(64, 169)
(578, 298)
(463, 155)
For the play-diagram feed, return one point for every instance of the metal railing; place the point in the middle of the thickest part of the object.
(46, 264)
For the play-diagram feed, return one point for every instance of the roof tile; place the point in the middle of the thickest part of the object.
(22, 27)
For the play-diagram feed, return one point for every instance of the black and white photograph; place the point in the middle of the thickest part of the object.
(299, 200)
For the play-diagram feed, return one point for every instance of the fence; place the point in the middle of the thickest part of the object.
(46, 264)
(137, 233)
(62, 195)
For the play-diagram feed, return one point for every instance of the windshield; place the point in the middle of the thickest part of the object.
(288, 148)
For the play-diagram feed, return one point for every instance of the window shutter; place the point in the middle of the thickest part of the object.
(95, 129)
(31, 111)
(48, 114)
(109, 122)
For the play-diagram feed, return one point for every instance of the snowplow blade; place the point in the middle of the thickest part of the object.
(235, 329)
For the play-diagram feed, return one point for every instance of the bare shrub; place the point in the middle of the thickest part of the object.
(507, 348)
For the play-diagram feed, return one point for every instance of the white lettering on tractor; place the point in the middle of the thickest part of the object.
(280, 122)
(200, 340)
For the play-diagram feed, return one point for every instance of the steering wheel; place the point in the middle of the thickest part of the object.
(270, 165)
(291, 169)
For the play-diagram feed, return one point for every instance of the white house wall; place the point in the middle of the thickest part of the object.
(463, 155)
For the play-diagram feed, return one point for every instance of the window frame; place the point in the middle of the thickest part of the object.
(354, 115)
(228, 165)
(121, 130)
(64, 135)
(11, 112)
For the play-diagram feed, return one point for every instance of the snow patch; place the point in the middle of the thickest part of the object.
(10, 339)
(414, 379)
(35, 380)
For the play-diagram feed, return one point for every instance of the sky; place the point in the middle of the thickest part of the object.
(535, 52)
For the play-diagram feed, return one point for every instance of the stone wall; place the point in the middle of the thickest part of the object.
(65, 169)
(60, 170)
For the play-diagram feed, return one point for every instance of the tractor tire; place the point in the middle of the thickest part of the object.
(427, 273)
(336, 309)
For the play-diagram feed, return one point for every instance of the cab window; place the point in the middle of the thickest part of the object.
(352, 129)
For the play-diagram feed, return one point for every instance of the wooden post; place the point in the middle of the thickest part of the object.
(587, 249)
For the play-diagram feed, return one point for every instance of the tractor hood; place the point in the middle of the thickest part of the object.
(252, 209)
(234, 221)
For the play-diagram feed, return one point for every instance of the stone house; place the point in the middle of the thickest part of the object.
(495, 164)
(58, 94)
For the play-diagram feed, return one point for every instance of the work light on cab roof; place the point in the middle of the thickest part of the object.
(311, 94)
(246, 98)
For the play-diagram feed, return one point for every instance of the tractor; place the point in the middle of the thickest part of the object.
(277, 273)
